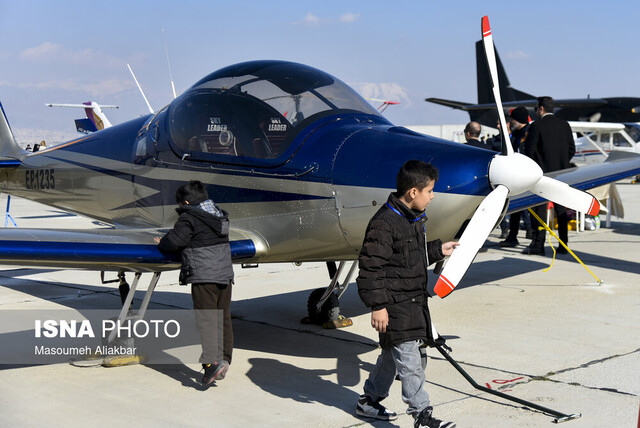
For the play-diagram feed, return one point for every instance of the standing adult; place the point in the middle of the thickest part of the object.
(471, 135)
(519, 125)
(550, 144)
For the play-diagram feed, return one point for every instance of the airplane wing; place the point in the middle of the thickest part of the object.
(450, 103)
(619, 165)
(78, 105)
(584, 127)
(9, 163)
(105, 249)
(577, 103)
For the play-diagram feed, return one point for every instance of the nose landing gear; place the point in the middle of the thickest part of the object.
(323, 306)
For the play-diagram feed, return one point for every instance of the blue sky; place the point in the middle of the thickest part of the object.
(75, 51)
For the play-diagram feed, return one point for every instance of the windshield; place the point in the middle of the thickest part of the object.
(633, 131)
(296, 91)
(253, 109)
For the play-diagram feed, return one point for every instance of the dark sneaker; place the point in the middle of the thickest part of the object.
(426, 420)
(508, 243)
(372, 409)
(532, 251)
(215, 371)
(561, 250)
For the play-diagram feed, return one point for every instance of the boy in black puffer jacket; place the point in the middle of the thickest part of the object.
(393, 283)
(201, 234)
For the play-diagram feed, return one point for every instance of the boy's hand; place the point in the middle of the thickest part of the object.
(448, 247)
(157, 240)
(380, 320)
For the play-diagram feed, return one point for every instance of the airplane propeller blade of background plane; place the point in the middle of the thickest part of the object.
(475, 234)
(565, 195)
(487, 39)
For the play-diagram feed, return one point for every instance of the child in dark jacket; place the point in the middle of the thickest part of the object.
(201, 234)
(393, 283)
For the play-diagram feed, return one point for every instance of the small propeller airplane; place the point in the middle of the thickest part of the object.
(598, 139)
(96, 120)
(609, 109)
(299, 160)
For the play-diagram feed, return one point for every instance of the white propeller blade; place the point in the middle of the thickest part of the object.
(477, 231)
(487, 39)
(510, 175)
(565, 195)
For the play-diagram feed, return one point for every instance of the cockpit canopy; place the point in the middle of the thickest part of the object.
(254, 110)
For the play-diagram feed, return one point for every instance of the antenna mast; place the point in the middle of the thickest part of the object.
(141, 91)
(166, 51)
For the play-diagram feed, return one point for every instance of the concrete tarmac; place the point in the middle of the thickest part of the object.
(554, 338)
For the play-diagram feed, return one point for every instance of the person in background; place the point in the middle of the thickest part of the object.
(519, 120)
(201, 235)
(471, 135)
(550, 144)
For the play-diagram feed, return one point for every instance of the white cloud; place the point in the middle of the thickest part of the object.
(45, 51)
(518, 55)
(349, 17)
(310, 19)
(94, 89)
(53, 52)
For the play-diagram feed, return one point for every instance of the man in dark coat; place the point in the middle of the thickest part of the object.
(471, 135)
(549, 143)
(393, 283)
(519, 120)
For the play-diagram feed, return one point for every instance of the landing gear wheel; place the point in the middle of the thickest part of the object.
(330, 308)
(329, 314)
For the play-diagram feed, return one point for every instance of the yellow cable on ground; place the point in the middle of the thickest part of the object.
(551, 232)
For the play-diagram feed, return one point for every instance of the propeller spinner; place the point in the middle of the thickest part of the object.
(509, 174)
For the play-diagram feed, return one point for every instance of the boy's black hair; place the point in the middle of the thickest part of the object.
(194, 192)
(415, 173)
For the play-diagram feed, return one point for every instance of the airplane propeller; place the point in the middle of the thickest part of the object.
(509, 174)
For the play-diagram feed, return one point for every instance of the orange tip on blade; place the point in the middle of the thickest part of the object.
(594, 209)
(443, 287)
(486, 28)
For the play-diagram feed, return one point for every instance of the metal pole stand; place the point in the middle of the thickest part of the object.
(7, 216)
(560, 417)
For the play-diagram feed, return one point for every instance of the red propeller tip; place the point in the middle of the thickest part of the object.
(486, 28)
(594, 209)
(443, 287)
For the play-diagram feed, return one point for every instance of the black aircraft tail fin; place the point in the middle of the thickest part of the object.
(520, 96)
(485, 92)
